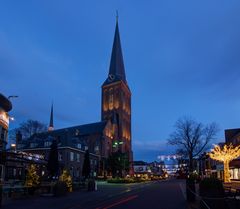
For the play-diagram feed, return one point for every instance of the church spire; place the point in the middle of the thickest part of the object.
(116, 69)
(51, 128)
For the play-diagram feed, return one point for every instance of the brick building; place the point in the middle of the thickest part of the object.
(111, 134)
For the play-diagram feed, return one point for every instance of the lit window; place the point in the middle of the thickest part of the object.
(86, 147)
(110, 99)
(32, 145)
(71, 156)
(78, 157)
(60, 157)
(77, 132)
(79, 146)
(47, 144)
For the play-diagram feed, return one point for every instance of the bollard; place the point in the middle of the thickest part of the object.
(95, 185)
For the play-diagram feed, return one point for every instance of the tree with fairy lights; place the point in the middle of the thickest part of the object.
(225, 154)
(32, 178)
(66, 177)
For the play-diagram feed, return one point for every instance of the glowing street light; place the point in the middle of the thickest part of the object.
(115, 144)
(13, 147)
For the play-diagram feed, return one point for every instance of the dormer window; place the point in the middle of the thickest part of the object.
(47, 144)
(79, 146)
(77, 132)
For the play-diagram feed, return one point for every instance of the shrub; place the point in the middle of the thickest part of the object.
(211, 187)
(126, 180)
(212, 192)
(60, 188)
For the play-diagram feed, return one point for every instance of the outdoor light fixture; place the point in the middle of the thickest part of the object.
(12, 118)
(115, 144)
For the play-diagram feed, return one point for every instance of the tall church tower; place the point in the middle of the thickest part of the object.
(116, 100)
(51, 127)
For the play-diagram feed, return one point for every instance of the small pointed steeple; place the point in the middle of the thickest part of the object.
(51, 127)
(116, 69)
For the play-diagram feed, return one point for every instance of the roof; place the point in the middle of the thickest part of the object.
(116, 69)
(83, 129)
(5, 104)
(140, 163)
(68, 136)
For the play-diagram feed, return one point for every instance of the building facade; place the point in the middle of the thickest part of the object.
(116, 101)
(111, 134)
(72, 144)
(233, 136)
(5, 107)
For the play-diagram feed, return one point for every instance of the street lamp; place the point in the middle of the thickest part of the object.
(13, 147)
(116, 143)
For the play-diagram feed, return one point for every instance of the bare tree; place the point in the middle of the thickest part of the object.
(28, 128)
(192, 138)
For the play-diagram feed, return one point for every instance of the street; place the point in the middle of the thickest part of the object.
(167, 194)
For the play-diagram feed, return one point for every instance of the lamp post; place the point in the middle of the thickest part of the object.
(13, 147)
(122, 156)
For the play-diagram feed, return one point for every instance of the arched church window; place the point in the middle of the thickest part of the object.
(105, 101)
(110, 102)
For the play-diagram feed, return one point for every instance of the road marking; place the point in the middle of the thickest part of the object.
(183, 192)
(120, 202)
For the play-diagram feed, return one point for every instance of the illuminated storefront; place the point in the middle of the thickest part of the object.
(4, 121)
(5, 107)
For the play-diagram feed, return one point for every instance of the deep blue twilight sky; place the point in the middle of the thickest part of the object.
(181, 58)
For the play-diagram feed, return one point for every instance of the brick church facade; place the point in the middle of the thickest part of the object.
(111, 134)
(116, 100)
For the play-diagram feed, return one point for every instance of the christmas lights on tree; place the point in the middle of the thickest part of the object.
(225, 155)
(32, 178)
(66, 177)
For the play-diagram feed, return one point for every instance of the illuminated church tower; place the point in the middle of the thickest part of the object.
(51, 127)
(116, 100)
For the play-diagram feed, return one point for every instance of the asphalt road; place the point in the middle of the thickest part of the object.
(160, 195)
